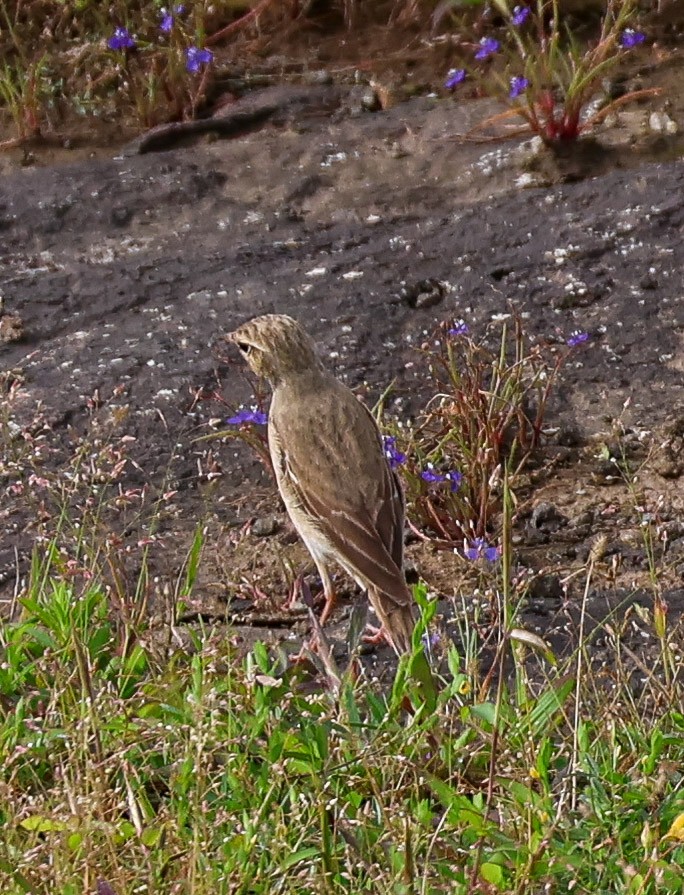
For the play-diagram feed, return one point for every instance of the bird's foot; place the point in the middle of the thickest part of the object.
(376, 636)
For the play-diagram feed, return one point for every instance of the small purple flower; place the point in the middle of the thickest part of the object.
(168, 17)
(520, 14)
(631, 38)
(429, 475)
(394, 457)
(430, 640)
(454, 478)
(460, 328)
(488, 46)
(245, 415)
(121, 39)
(518, 85)
(479, 549)
(455, 77)
(576, 338)
(196, 58)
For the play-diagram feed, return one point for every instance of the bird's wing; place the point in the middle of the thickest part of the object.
(332, 453)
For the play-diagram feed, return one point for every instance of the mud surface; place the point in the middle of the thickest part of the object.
(120, 274)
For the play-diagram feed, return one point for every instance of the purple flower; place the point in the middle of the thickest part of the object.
(430, 640)
(196, 58)
(257, 417)
(454, 478)
(394, 457)
(518, 85)
(631, 38)
(121, 39)
(455, 77)
(479, 549)
(168, 17)
(429, 475)
(520, 14)
(488, 46)
(460, 328)
(576, 338)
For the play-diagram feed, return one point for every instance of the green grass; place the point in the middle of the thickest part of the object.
(196, 771)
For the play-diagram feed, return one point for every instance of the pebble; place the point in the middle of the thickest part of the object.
(265, 527)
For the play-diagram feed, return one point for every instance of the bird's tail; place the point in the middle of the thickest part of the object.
(396, 617)
(398, 621)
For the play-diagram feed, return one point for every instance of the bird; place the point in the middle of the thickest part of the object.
(344, 499)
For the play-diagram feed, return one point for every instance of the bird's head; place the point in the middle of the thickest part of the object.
(275, 346)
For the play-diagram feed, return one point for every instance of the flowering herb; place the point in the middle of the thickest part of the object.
(455, 77)
(168, 17)
(430, 640)
(518, 85)
(247, 416)
(576, 338)
(488, 46)
(479, 549)
(454, 478)
(431, 475)
(631, 38)
(121, 39)
(560, 77)
(520, 14)
(460, 328)
(394, 457)
(196, 58)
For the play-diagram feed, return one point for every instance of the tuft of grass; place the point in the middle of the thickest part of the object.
(550, 81)
(212, 772)
(483, 424)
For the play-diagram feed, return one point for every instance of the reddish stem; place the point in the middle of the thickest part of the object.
(238, 23)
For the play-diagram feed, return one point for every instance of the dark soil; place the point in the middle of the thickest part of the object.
(119, 275)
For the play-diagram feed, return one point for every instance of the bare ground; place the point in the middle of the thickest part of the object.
(119, 274)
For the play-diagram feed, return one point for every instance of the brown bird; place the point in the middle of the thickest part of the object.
(334, 478)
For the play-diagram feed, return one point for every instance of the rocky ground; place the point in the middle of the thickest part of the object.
(120, 273)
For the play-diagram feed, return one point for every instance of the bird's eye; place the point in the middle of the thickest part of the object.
(244, 347)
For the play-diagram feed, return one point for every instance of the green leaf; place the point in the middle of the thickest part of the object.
(152, 836)
(40, 824)
(492, 873)
(298, 857)
(485, 711)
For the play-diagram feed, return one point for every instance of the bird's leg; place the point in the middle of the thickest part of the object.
(295, 595)
(298, 594)
(328, 593)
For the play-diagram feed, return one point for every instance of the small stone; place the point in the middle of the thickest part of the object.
(548, 517)
(320, 77)
(661, 123)
(370, 100)
(546, 587)
(11, 328)
(568, 435)
(423, 294)
(265, 527)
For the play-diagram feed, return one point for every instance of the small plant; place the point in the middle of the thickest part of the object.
(485, 421)
(168, 71)
(549, 81)
(24, 91)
